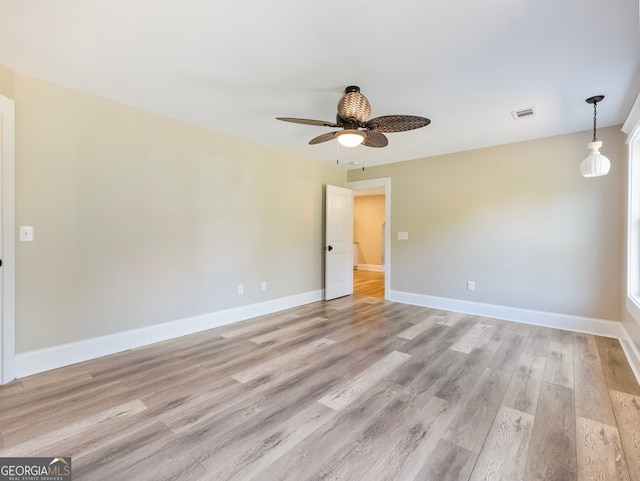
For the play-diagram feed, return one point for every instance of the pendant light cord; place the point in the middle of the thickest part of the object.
(595, 113)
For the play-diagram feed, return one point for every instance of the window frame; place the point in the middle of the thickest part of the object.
(632, 128)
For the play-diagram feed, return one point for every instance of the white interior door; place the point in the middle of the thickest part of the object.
(338, 246)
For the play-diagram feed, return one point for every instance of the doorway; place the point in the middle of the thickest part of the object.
(372, 259)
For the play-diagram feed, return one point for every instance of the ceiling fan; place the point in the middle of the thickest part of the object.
(353, 117)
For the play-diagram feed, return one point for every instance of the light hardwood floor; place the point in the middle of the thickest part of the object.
(368, 283)
(352, 389)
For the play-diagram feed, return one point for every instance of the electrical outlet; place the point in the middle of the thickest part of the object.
(240, 289)
(264, 285)
(471, 286)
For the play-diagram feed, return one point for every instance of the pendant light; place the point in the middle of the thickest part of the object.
(595, 164)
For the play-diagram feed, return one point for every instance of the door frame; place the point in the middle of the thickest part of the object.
(8, 269)
(376, 183)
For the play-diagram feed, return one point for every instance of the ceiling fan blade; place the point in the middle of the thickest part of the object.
(375, 139)
(396, 123)
(321, 123)
(323, 138)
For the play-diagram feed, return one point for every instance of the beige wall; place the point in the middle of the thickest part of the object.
(6, 81)
(140, 219)
(517, 219)
(368, 218)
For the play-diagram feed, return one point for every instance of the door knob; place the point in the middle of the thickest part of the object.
(329, 248)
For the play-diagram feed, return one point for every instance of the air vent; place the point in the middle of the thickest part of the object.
(521, 114)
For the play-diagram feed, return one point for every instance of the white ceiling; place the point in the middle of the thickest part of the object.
(235, 66)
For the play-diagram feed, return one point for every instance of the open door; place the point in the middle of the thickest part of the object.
(338, 245)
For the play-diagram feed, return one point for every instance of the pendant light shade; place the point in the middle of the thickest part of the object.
(350, 137)
(596, 164)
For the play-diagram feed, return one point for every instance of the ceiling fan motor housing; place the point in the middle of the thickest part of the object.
(354, 105)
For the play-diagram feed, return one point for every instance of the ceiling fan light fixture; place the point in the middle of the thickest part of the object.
(356, 127)
(350, 137)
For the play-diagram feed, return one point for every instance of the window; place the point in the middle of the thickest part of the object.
(632, 129)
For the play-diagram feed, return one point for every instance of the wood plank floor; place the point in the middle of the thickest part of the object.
(368, 283)
(352, 389)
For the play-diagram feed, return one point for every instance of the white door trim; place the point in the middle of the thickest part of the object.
(386, 183)
(8, 269)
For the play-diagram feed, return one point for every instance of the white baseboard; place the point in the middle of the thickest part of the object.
(587, 325)
(370, 267)
(41, 360)
(631, 351)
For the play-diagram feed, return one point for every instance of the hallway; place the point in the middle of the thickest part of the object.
(368, 283)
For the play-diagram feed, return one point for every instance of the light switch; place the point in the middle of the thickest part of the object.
(403, 236)
(26, 233)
